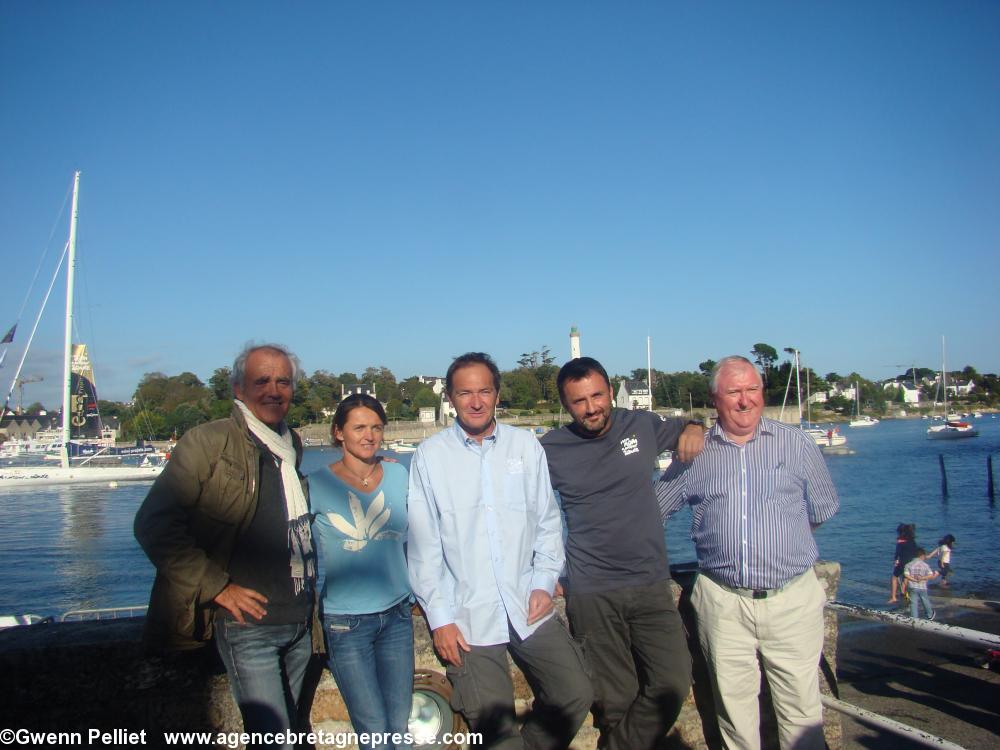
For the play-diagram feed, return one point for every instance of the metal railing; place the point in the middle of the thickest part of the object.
(106, 613)
(985, 640)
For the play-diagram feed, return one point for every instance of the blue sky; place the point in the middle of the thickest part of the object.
(397, 183)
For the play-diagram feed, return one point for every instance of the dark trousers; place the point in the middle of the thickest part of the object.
(638, 652)
(554, 667)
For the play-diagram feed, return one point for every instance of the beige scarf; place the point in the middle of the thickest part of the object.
(303, 565)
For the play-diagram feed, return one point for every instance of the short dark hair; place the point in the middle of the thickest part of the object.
(578, 369)
(349, 404)
(472, 358)
(920, 552)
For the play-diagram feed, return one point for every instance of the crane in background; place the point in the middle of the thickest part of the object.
(19, 383)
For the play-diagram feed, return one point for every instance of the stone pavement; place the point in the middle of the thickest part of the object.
(927, 681)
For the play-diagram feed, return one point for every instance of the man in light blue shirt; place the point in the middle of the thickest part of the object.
(485, 550)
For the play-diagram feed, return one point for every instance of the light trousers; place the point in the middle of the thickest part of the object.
(786, 631)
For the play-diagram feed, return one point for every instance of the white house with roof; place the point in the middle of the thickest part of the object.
(436, 382)
(634, 394)
(961, 389)
(910, 395)
(362, 388)
(844, 391)
(447, 408)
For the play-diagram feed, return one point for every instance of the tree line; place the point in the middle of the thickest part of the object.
(165, 406)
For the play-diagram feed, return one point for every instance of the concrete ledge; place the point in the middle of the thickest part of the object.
(77, 676)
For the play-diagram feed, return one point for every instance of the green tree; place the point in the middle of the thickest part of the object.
(183, 418)
(384, 382)
(146, 425)
(520, 389)
(765, 356)
(110, 408)
(425, 397)
(394, 409)
(706, 366)
(219, 384)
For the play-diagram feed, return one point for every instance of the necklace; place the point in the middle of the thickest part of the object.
(358, 477)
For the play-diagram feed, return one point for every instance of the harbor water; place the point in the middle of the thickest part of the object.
(65, 548)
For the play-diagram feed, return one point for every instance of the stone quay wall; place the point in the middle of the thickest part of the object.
(78, 676)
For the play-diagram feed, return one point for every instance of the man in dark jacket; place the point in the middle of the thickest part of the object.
(227, 526)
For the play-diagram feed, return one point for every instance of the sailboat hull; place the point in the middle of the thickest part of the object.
(950, 432)
(41, 476)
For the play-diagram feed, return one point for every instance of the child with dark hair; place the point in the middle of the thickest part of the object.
(943, 554)
(906, 550)
(918, 573)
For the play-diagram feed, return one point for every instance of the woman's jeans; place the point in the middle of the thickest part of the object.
(266, 666)
(371, 657)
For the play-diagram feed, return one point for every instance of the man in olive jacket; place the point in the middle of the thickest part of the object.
(227, 526)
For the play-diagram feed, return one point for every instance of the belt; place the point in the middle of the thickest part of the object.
(748, 593)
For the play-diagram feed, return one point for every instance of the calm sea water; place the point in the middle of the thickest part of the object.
(72, 547)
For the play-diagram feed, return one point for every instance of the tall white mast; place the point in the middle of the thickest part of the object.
(798, 384)
(944, 377)
(649, 370)
(68, 346)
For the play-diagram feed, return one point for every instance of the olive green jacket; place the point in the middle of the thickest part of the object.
(189, 523)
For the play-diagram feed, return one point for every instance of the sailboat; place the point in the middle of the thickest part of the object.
(953, 428)
(65, 473)
(859, 419)
(830, 439)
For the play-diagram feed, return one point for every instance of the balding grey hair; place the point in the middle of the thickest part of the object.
(239, 371)
(722, 364)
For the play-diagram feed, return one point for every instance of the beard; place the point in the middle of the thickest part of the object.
(595, 425)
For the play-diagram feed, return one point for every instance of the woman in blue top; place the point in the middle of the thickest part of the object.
(360, 529)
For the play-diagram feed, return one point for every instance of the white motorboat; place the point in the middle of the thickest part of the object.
(829, 438)
(401, 447)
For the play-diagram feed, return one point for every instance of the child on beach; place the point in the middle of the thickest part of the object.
(906, 547)
(918, 573)
(943, 553)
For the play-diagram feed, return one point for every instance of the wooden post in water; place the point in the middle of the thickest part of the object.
(944, 476)
(989, 477)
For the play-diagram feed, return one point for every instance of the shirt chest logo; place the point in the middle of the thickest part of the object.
(515, 465)
(630, 445)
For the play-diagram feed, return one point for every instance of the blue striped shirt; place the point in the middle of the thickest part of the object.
(753, 504)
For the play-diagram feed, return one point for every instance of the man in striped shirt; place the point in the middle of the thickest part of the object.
(757, 491)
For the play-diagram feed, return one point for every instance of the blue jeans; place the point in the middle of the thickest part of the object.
(918, 597)
(371, 657)
(266, 666)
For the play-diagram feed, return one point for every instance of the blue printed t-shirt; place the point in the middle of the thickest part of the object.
(359, 539)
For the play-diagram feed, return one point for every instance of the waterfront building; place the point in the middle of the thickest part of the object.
(634, 394)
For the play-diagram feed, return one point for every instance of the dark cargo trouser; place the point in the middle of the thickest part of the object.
(554, 667)
(636, 646)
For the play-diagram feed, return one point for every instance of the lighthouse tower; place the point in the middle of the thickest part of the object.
(574, 343)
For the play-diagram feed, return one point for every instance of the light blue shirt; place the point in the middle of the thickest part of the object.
(753, 504)
(359, 539)
(485, 531)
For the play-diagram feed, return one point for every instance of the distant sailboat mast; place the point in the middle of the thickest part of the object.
(649, 370)
(68, 345)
